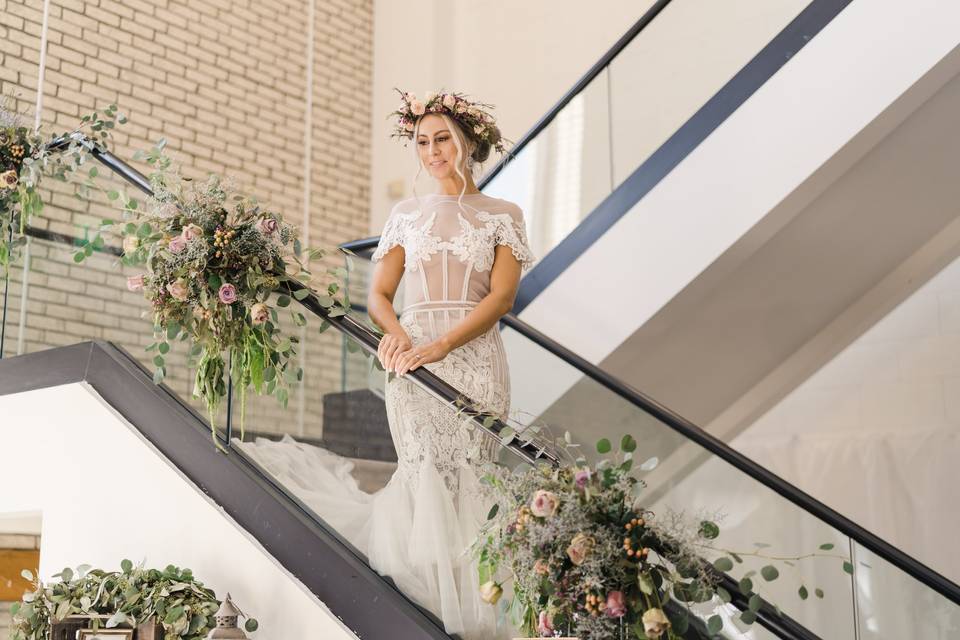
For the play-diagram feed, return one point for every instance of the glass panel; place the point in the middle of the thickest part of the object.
(891, 604)
(564, 173)
(677, 63)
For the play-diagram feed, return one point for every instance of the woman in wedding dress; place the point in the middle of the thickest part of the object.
(460, 254)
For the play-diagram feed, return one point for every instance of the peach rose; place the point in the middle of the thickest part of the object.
(417, 108)
(449, 101)
(178, 290)
(8, 179)
(490, 592)
(580, 548)
(267, 226)
(655, 622)
(135, 283)
(259, 313)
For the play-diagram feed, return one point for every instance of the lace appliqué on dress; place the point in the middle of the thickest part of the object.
(426, 426)
(417, 241)
(477, 242)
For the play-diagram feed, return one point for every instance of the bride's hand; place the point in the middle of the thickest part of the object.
(391, 346)
(430, 352)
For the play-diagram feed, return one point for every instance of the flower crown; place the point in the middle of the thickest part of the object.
(473, 117)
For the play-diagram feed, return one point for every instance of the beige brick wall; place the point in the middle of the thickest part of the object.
(224, 82)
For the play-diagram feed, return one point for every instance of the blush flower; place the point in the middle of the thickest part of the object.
(177, 244)
(581, 478)
(178, 290)
(545, 625)
(616, 605)
(449, 101)
(227, 293)
(267, 226)
(544, 504)
(259, 313)
(192, 232)
(135, 283)
(417, 108)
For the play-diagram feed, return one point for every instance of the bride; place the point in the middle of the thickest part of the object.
(460, 254)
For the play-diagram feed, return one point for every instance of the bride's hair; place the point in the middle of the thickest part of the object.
(470, 153)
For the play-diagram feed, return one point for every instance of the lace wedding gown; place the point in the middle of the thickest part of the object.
(418, 528)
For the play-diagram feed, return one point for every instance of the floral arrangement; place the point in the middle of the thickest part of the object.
(215, 266)
(586, 558)
(474, 117)
(134, 595)
(26, 157)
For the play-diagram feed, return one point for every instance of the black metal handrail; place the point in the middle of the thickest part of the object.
(911, 566)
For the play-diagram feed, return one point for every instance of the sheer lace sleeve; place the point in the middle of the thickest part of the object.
(512, 232)
(391, 236)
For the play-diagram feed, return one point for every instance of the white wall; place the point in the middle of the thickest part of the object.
(105, 494)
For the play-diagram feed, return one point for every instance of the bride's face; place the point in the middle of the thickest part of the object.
(438, 151)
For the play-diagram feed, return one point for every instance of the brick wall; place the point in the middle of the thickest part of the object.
(224, 82)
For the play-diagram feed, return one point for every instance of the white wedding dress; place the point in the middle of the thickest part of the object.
(418, 528)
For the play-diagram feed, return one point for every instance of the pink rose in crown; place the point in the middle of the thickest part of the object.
(449, 101)
(178, 290)
(544, 625)
(544, 504)
(616, 604)
(135, 283)
(192, 232)
(177, 244)
(417, 108)
(267, 226)
(227, 293)
(259, 313)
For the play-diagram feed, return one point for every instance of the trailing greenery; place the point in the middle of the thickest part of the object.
(173, 597)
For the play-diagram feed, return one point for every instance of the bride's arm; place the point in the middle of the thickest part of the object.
(504, 281)
(386, 278)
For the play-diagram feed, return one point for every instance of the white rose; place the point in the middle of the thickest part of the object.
(655, 622)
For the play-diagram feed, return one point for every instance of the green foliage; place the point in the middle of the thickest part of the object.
(131, 596)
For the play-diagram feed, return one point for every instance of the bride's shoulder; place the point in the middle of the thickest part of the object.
(501, 205)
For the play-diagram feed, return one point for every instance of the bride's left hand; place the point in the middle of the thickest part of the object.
(413, 358)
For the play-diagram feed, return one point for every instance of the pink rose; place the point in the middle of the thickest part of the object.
(541, 568)
(417, 108)
(177, 244)
(580, 548)
(135, 283)
(178, 290)
(544, 504)
(408, 126)
(449, 101)
(227, 293)
(192, 232)
(267, 226)
(581, 478)
(616, 605)
(544, 625)
(259, 313)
